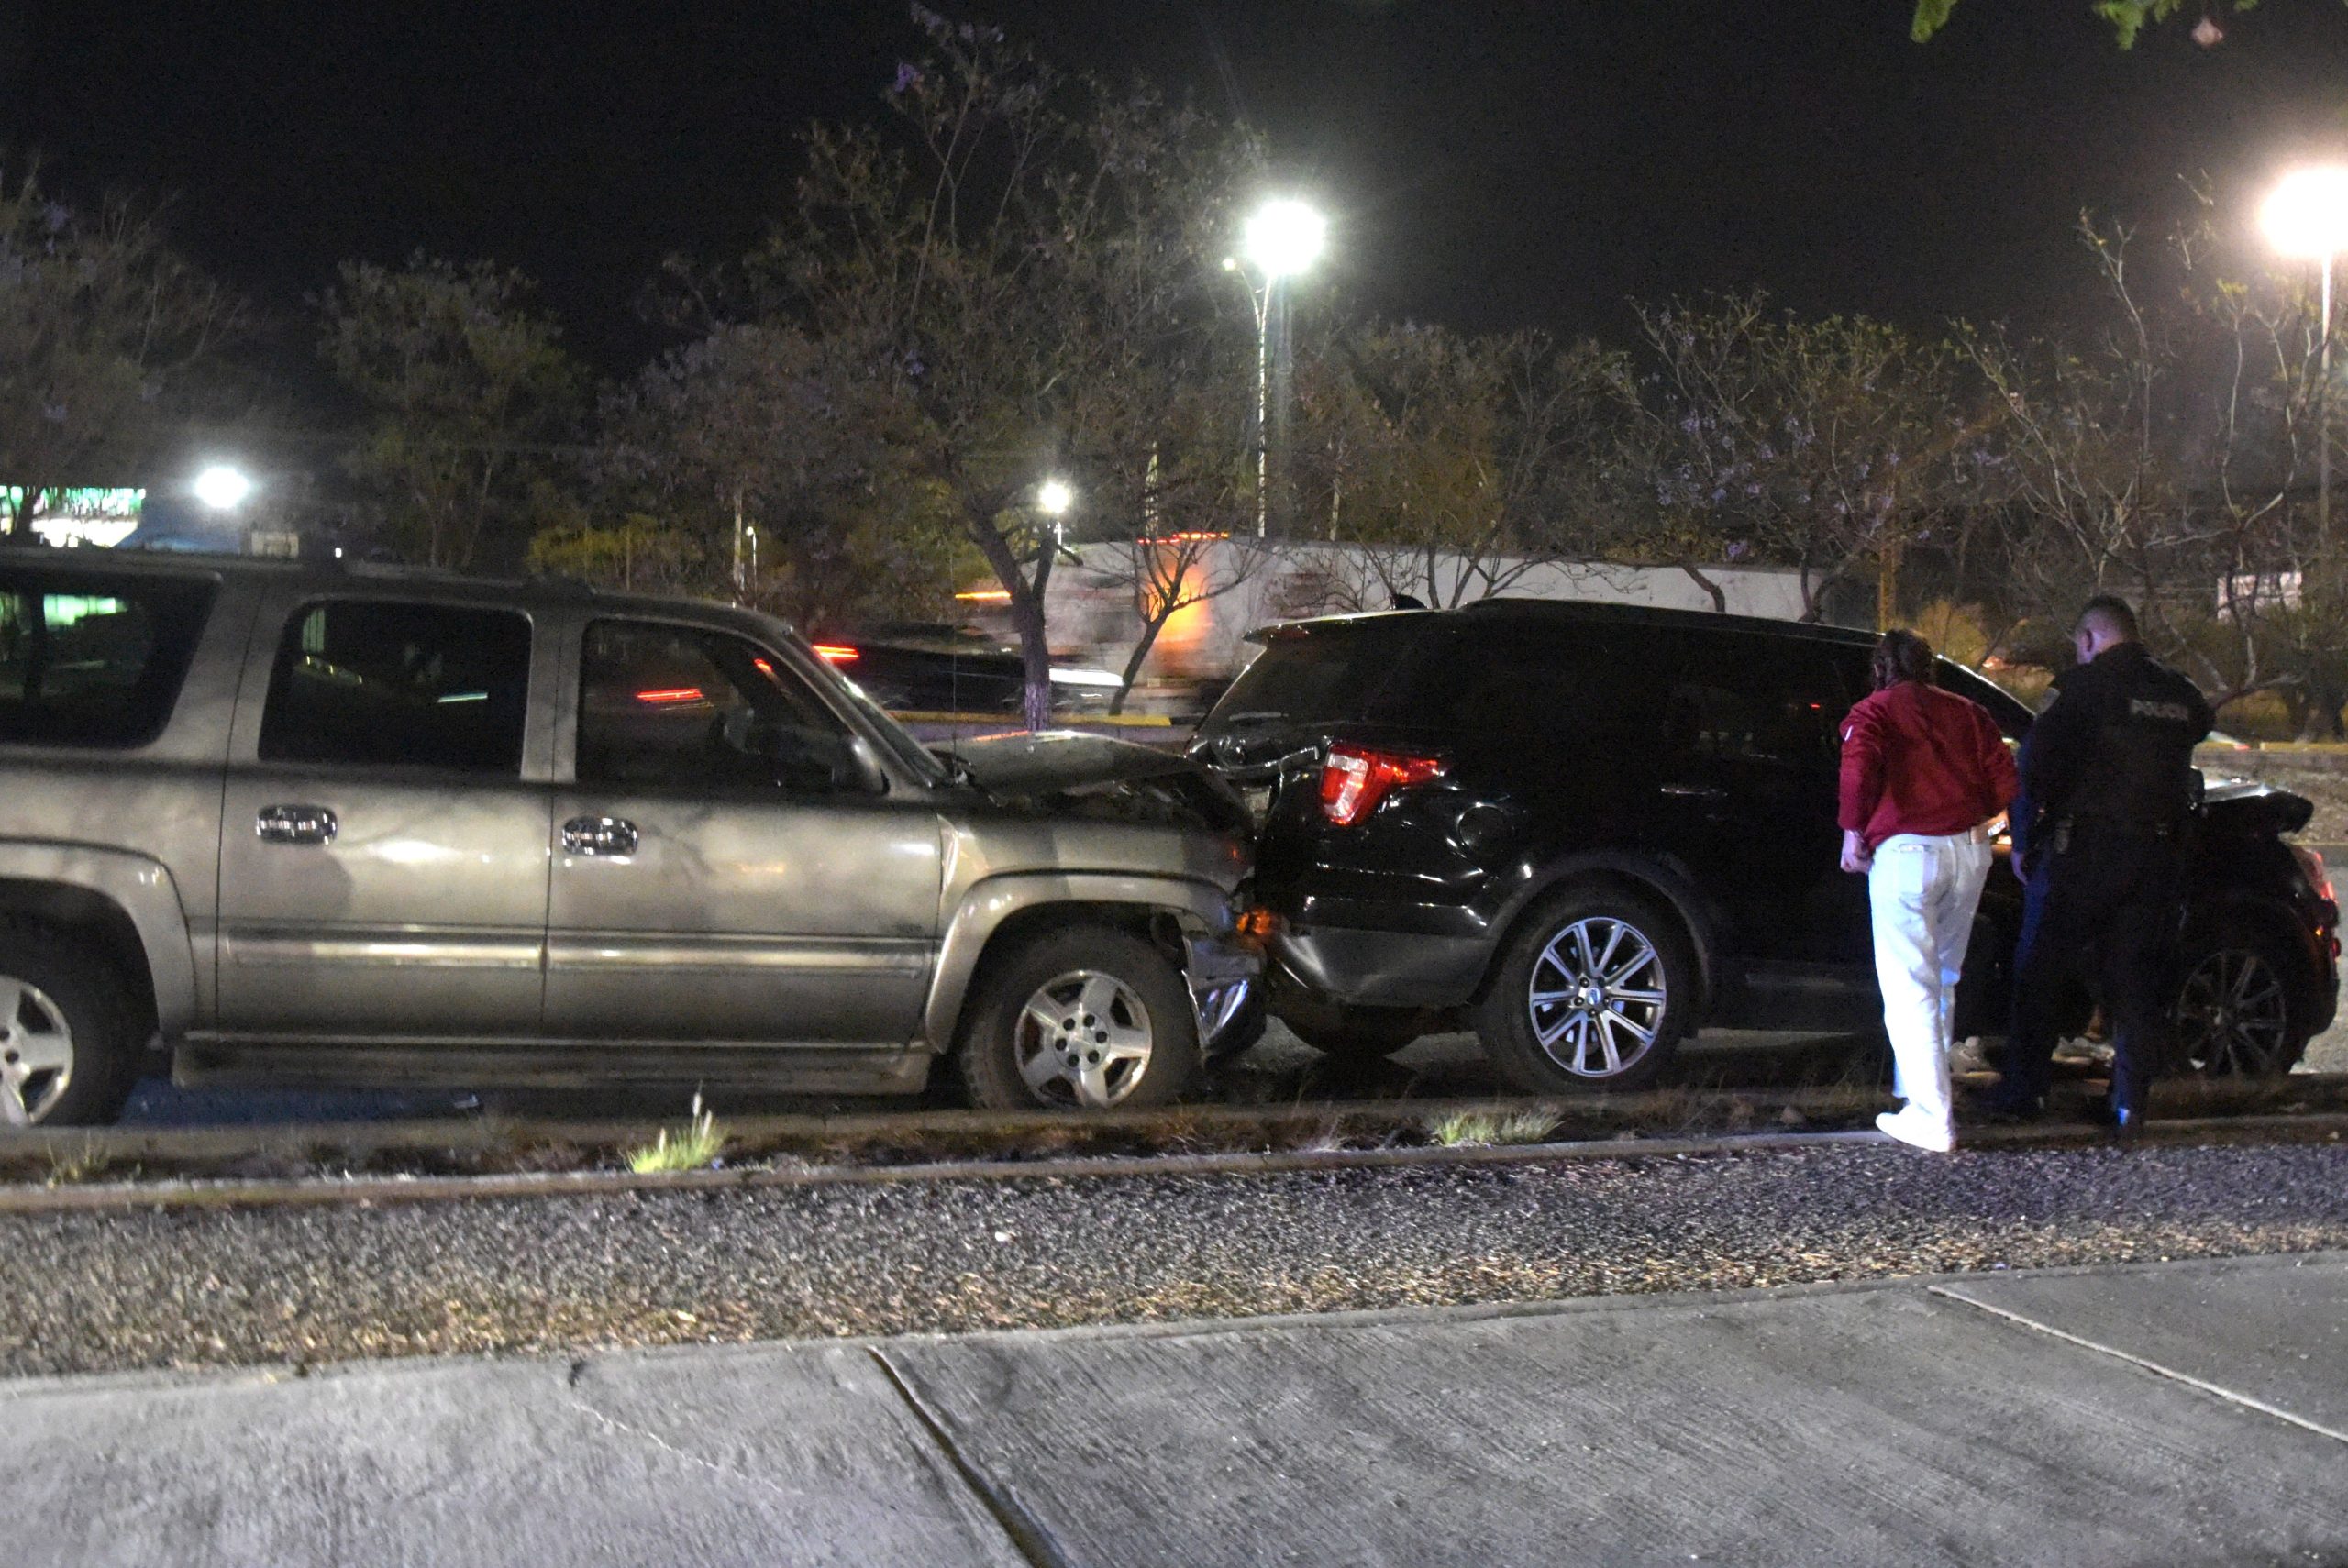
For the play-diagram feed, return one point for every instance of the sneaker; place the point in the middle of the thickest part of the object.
(1919, 1131)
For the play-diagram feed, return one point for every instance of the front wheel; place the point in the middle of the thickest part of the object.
(69, 1051)
(1594, 992)
(1081, 1018)
(2234, 1013)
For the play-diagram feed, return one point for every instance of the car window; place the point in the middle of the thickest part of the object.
(1572, 684)
(398, 683)
(1740, 697)
(682, 707)
(1374, 670)
(94, 661)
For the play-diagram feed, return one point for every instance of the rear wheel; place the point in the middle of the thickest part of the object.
(1594, 992)
(68, 1051)
(2235, 1013)
(1081, 1018)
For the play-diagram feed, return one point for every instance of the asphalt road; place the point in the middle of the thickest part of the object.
(1282, 1069)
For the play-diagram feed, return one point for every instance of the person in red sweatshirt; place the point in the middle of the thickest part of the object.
(1924, 772)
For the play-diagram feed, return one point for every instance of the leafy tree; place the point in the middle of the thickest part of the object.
(106, 335)
(472, 401)
(1011, 262)
(2127, 17)
(777, 465)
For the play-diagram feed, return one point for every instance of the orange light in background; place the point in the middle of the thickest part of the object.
(666, 695)
(764, 667)
(838, 653)
(987, 596)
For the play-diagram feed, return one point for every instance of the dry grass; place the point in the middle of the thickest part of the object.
(80, 1163)
(696, 1146)
(1474, 1129)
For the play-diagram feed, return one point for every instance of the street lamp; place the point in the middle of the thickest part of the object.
(2307, 216)
(222, 488)
(1054, 497)
(1283, 238)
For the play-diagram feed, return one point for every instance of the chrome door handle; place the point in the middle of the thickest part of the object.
(296, 824)
(599, 835)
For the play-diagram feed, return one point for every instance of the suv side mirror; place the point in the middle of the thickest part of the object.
(815, 762)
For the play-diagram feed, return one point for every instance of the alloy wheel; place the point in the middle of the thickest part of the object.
(2234, 1015)
(36, 1053)
(1084, 1039)
(1597, 997)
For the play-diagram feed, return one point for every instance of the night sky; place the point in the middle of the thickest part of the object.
(1487, 164)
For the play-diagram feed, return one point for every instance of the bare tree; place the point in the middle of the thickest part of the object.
(1459, 464)
(1011, 260)
(1828, 445)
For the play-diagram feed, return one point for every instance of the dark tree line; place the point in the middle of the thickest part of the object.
(1013, 272)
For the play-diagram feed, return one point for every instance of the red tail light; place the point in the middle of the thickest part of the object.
(661, 696)
(838, 653)
(2311, 868)
(1355, 779)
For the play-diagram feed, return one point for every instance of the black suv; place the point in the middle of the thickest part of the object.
(1587, 830)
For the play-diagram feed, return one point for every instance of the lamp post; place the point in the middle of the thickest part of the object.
(1283, 238)
(2307, 216)
(1053, 498)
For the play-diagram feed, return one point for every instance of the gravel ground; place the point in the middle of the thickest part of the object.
(86, 1293)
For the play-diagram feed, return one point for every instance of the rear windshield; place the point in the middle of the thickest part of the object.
(1325, 674)
(93, 660)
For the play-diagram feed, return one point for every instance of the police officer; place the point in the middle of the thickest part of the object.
(2099, 835)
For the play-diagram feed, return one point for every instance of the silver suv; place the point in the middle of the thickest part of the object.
(387, 827)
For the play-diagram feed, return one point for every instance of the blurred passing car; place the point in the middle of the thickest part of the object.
(933, 668)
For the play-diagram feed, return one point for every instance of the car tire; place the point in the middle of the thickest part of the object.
(1553, 1019)
(69, 1045)
(1084, 1018)
(2235, 1015)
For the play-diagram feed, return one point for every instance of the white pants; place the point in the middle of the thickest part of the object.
(1923, 892)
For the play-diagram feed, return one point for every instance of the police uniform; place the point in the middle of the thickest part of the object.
(2100, 828)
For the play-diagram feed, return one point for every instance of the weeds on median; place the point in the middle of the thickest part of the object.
(68, 1166)
(1475, 1130)
(696, 1147)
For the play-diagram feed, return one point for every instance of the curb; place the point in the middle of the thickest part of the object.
(368, 1191)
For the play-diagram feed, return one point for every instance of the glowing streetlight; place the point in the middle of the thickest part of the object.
(2307, 218)
(1054, 497)
(1283, 238)
(222, 488)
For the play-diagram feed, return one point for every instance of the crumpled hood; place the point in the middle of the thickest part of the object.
(1016, 764)
(1062, 770)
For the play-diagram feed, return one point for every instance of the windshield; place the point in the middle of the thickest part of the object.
(886, 730)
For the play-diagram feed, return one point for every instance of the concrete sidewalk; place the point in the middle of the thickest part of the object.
(2174, 1414)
